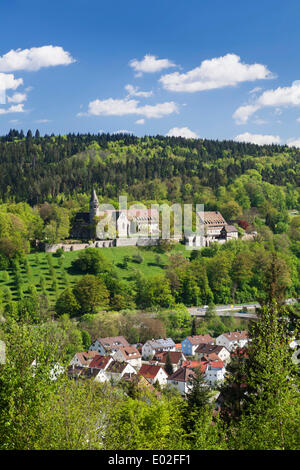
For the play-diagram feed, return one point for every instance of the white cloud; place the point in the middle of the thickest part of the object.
(35, 58)
(298, 119)
(8, 82)
(258, 139)
(182, 132)
(18, 108)
(280, 97)
(140, 121)
(124, 107)
(293, 142)
(17, 98)
(123, 131)
(255, 90)
(150, 64)
(218, 72)
(133, 91)
(42, 121)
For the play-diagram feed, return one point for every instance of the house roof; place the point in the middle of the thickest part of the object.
(161, 343)
(175, 356)
(113, 342)
(85, 358)
(236, 335)
(211, 357)
(231, 228)
(198, 339)
(116, 367)
(184, 374)
(150, 371)
(216, 364)
(130, 352)
(99, 362)
(212, 218)
(206, 348)
(195, 365)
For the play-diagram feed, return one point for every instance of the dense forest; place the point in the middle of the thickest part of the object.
(53, 305)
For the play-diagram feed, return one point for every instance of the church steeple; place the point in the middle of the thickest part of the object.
(94, 206)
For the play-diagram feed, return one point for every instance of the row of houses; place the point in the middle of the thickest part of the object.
(114, 359)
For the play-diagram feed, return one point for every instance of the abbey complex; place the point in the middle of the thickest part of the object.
(101, 227)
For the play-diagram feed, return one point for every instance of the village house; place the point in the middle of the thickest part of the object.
(83, 359)
(99, 365)
(151, 347)
(154, 373)
(128, 354)
(109, 345)
(215, 372)
(190, 343)
(176, 358)
(181, 379)
(210, 350)
(116, 370)
(232, 340)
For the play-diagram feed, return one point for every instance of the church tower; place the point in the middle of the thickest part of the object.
(94, 207)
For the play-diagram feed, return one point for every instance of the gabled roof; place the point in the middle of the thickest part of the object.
(85, 358)
(113, 342)
(161, 343)
(236, 335)
(184, 374)
(150, 371)
(216, 364)
(206, 348)
(195, 365)
(100, 362)
(175, 356)
(116, 367)
(212, 218)
(130, 352)
(198, 339)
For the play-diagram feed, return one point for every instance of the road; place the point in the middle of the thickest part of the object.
(234, 310)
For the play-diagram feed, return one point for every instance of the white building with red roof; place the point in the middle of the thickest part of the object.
(233, 340)
(129, 354)
(154, 373)
(109, 345)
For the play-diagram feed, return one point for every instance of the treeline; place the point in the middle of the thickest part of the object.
(36, 169)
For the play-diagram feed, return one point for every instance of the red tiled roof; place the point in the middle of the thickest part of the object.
(130, 352)
(198, 339)
(150, 371)
(113, 342)
(236, 335)
(175, 356)
(184, 374)
(195, 365)
(99, 362)
(86, 357)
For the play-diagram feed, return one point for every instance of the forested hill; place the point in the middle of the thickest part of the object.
(36, 169)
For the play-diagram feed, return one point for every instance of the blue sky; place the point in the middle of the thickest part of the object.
(219, 70)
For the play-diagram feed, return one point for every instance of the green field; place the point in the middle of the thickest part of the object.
(38, 267)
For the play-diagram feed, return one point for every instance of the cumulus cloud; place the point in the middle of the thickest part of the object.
(17, 98)
(218, 72)
(124, 107)
(258, 139)
(293, 142)
(34, 59)
(123, 131)
(150, 64)
(133, 91)
(140, 121)
(182, 132)
(18, 108)
(280, 97)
